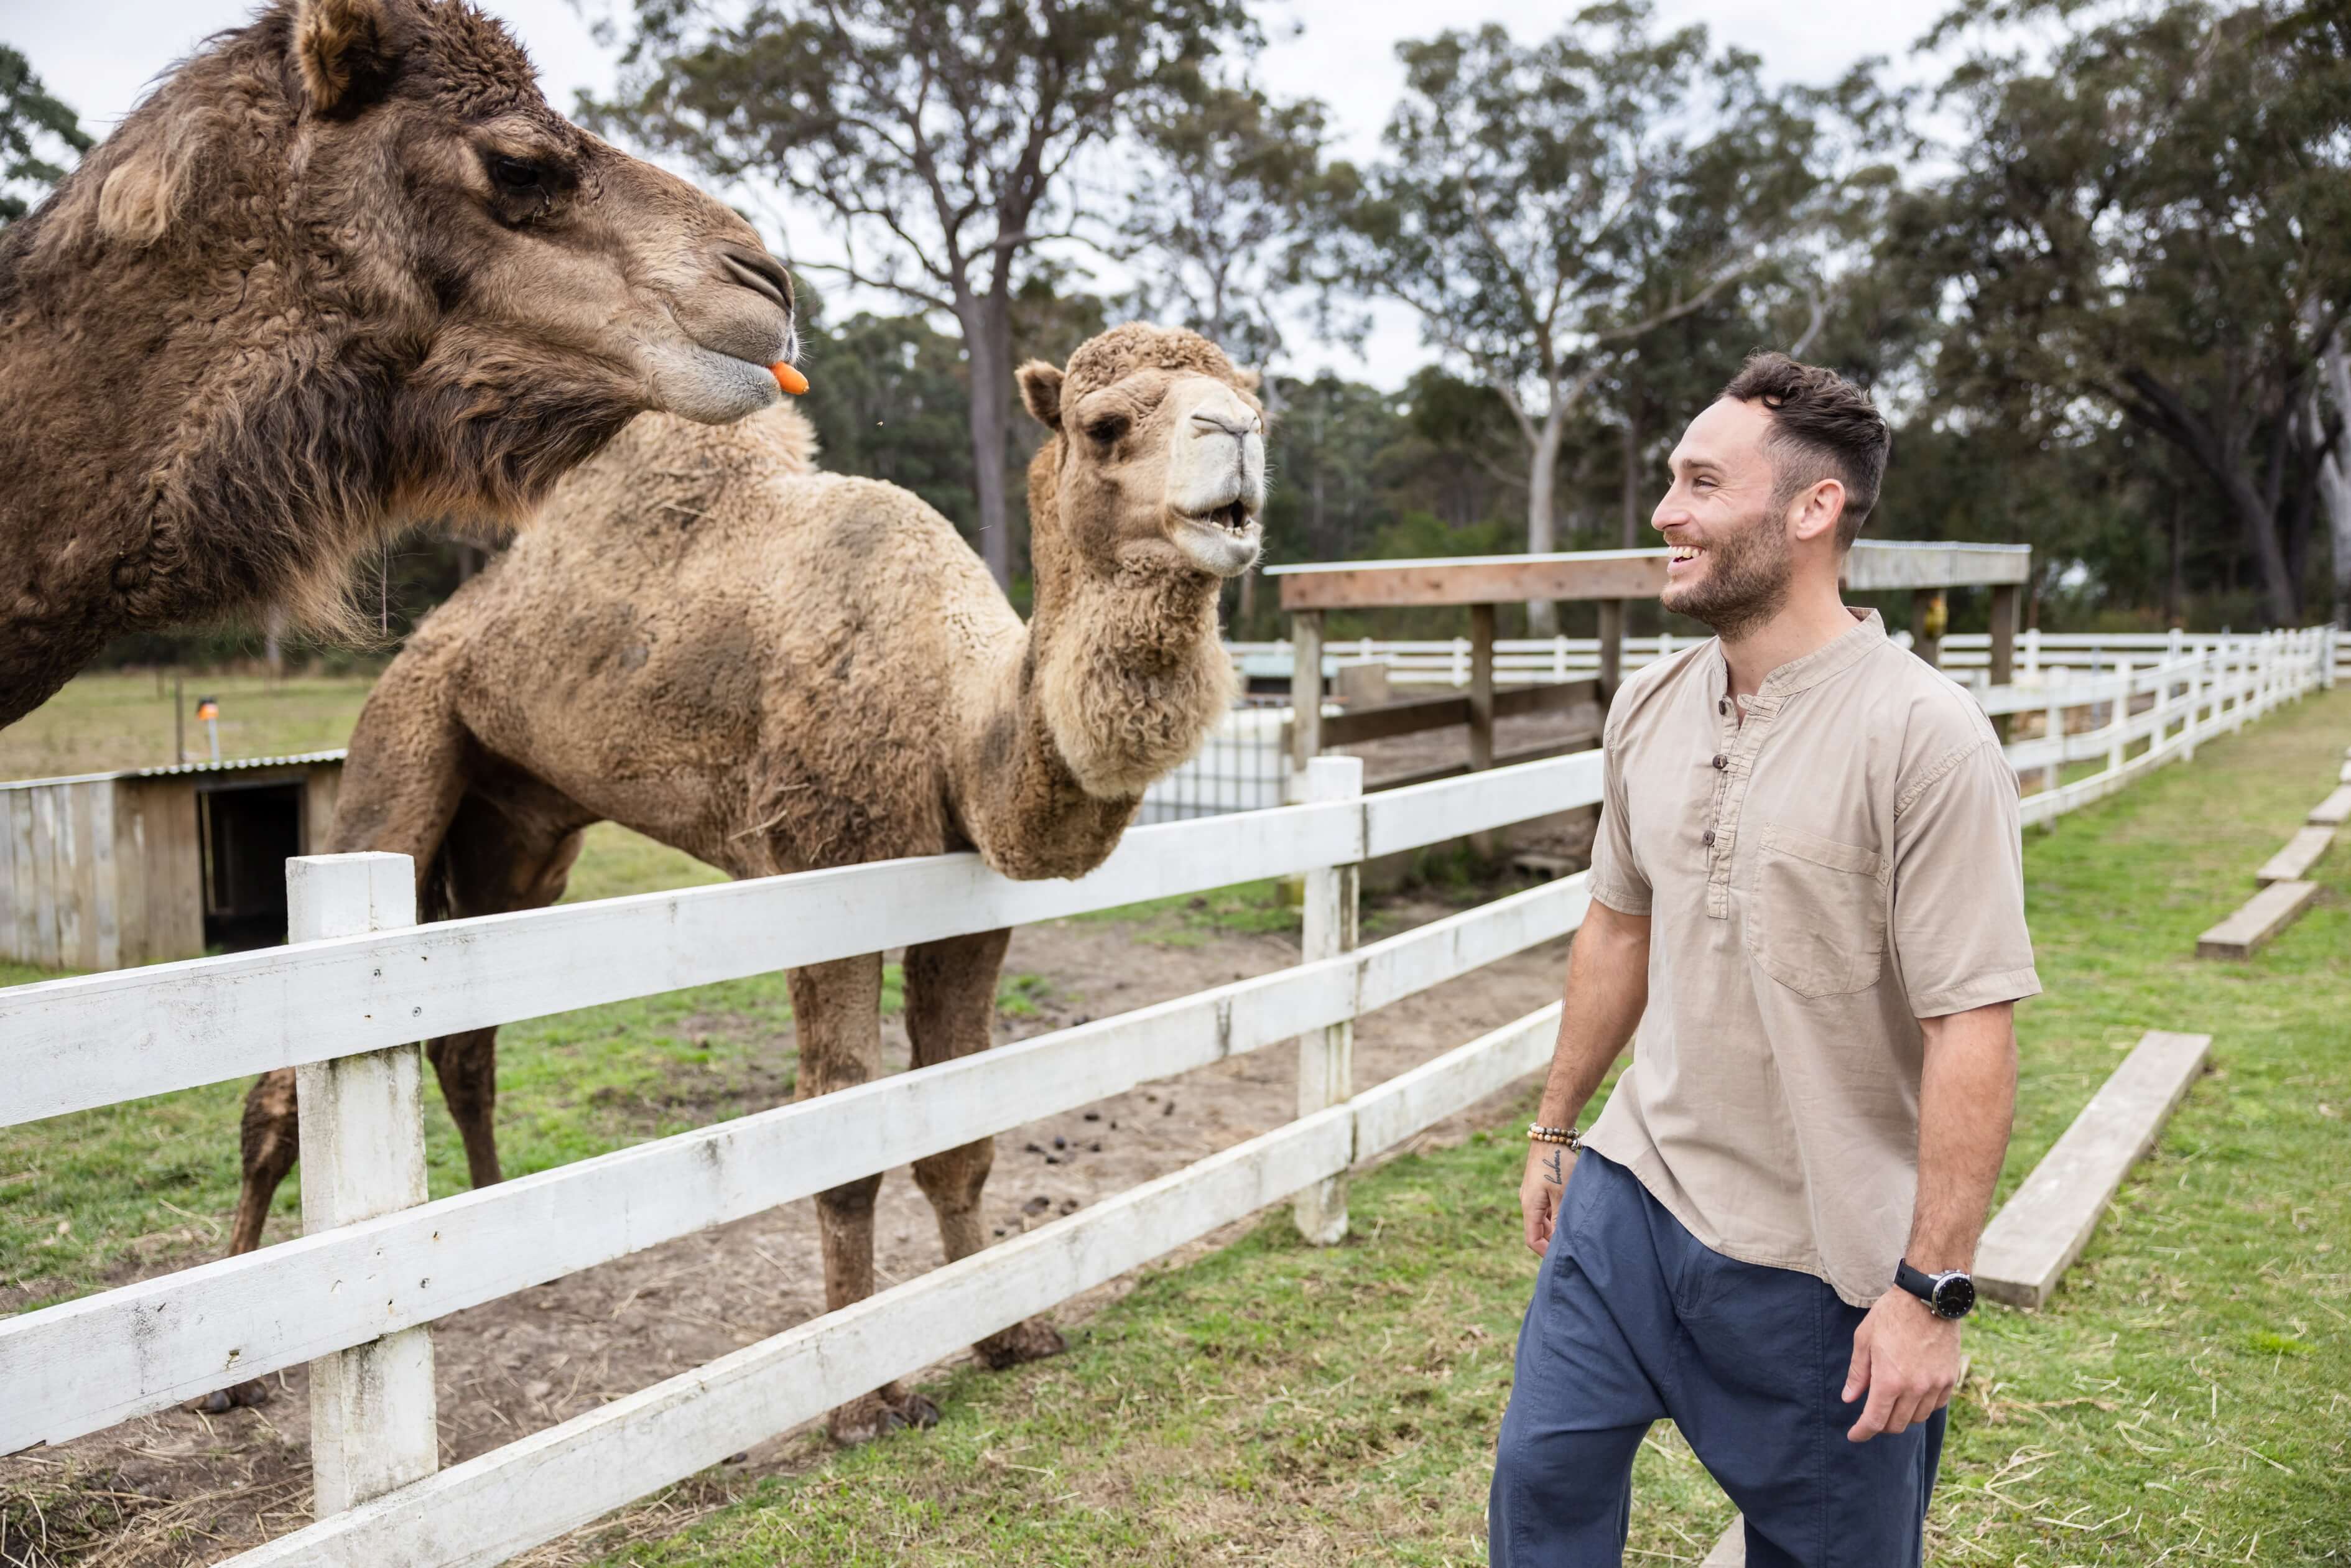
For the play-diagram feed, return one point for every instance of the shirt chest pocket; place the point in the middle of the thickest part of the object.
(1816, 922)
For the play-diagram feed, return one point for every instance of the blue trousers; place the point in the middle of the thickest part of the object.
(1633, 1320)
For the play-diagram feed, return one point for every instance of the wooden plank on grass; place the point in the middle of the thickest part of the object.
(2333, 811)
(2261, 917)
(2301, 853)
(2039, 1232)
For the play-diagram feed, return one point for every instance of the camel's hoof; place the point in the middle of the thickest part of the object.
(252, 1392)
(1032, 1340)
(878, 1414)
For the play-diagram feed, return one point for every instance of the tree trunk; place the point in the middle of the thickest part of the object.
(2259, 525)
(1543, 479)
(1633, 472)
(987, 345)
(2334, 475)
(2172, 584)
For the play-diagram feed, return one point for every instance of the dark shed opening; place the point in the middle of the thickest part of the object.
(247, 834)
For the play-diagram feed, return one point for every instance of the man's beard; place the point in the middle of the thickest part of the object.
(1745, 580)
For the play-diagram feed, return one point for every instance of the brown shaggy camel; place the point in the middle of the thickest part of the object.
(776, 669)
(343, 271)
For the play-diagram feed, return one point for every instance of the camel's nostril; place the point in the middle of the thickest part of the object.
(755, 269)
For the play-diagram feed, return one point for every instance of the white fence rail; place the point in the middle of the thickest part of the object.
(71, 1044)
(1524, 661)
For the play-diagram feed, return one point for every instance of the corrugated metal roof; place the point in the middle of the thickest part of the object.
(169, 771)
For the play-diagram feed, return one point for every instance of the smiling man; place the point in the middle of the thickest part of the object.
(1808, 899)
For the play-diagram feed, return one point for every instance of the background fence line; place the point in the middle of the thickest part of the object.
(344, 1290)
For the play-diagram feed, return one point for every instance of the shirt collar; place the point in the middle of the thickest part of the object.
(1841, 652)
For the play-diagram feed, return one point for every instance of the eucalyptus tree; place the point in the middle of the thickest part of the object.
(34, 126)
(2150, 218)
(942, 138)
(1529, 192)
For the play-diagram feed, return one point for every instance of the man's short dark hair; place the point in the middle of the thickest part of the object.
(1822, 427)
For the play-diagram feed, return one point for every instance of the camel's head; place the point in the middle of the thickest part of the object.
(1159, 456)
(433, 176)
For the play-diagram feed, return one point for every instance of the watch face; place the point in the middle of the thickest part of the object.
(1955, 1294)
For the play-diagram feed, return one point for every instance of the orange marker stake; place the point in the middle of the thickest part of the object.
(790, 379)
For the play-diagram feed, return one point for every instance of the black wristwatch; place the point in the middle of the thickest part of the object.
(1950, 1295)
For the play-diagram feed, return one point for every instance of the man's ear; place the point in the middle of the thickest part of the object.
(1040, 389)
(345, 51)
(1819, 509)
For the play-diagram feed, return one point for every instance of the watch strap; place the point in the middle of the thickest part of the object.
(1917, 1281)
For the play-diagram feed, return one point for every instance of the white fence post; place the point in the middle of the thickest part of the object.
(2120, 725)
(2033, 650)
(362, 1126)
(1326, 1057)
(2188, 731)
(2056, 733)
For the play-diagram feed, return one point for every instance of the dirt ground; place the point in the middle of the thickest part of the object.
(177, 1489)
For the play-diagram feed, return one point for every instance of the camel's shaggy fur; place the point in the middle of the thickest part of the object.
(776, 669)
(344, 270)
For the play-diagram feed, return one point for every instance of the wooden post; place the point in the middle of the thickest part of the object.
(2004, 601)
(1611, 646)
(2195, 702)
(1485, 846)
(1305, 688)
(1326, 1057)
(362, 1126)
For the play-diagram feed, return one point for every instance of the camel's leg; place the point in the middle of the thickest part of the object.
(951, 1012)
(837, 1013)
(509, 846)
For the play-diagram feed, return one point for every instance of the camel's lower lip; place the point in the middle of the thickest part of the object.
(1232, 520)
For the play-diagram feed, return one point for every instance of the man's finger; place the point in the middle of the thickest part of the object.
(1873, 1414)
(1856, 1376)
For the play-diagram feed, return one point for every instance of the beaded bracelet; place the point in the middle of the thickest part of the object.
(1566, 1136)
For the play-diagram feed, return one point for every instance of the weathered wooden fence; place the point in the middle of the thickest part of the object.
(354, 1296)
(1527, 661)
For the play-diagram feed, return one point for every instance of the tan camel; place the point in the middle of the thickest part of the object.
(776, 669)
(343, 271)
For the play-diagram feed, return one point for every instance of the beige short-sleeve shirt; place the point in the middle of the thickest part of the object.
(1844, 863)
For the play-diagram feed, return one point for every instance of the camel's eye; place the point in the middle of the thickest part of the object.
(1108, 427)
(517, 176)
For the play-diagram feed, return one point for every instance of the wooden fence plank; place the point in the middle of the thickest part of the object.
(86, 1364)
(44, 883)
(1330, 924)
(513, 1498)
(2040, 1230)
(101, 1039)
(362, 1128)
(2302, 852)
(2333, 811)
(2261, 918)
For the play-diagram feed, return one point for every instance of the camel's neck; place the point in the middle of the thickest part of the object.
(1120, 679)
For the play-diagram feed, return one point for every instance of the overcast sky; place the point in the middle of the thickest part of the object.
(100, 54)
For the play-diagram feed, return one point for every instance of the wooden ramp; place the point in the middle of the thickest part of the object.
(2261, 916)
(2333, 811)
(2039, 1230)
(2302, 852)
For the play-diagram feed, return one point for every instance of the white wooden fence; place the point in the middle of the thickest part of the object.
(354, 1295)
(1521, 661)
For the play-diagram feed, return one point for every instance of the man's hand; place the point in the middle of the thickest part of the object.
(1907, 1360)
(1548, 1168)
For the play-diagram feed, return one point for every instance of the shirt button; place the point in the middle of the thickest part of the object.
(1722, 705)
(1707, 838)
(1720, 761)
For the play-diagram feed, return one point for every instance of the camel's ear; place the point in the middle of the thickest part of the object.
(1249, 380)
(346, 53)
(1041, 388)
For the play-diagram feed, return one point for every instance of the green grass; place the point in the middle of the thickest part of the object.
(97, 722)
(2184, 1399)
